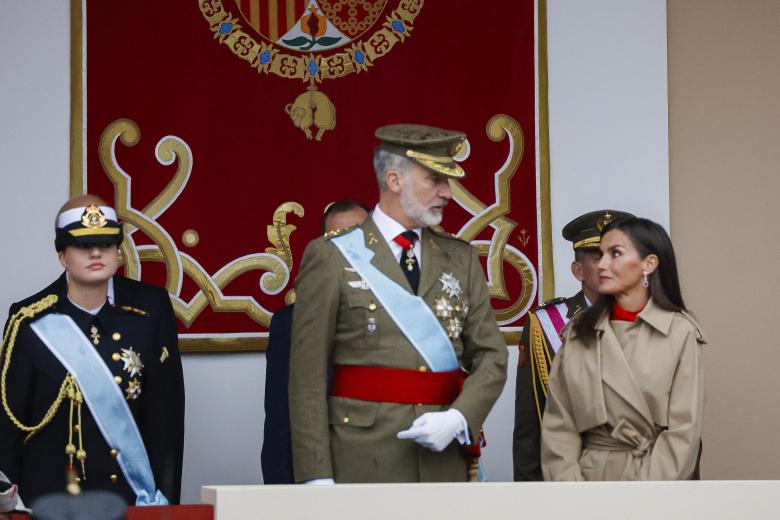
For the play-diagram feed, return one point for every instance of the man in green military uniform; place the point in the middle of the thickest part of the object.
(402, 313)
(540, 340)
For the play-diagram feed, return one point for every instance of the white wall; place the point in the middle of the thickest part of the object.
(608, 137)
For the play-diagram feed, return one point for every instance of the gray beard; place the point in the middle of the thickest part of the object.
(416, 211)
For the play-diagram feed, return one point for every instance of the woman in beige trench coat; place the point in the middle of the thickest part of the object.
(626, 391)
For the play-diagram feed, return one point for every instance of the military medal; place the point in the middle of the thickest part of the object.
(132, 361)
(94, 334)
(371, 325)
(454, 328)
(133, 390)
(410, 260)
(450, 285)
(443, 307)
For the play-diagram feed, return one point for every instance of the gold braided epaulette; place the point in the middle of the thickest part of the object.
(340, 231)
(441, 232)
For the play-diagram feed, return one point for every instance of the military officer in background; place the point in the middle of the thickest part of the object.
(540, 340)
(276, 453)
(402, 312)
(93, 394)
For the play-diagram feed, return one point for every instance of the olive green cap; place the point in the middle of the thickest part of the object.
(431, 148)
(584, 232)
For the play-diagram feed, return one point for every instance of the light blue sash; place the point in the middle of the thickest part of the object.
(412, 315)
(104, 399)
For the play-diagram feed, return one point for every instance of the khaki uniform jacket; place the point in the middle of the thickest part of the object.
(355, 441)
(531, 394)
(634, 414)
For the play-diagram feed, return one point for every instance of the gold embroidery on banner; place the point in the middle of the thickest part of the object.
(499, 127)
(277, 261)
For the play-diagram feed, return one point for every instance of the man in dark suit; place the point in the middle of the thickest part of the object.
(94, 382)
(276, 454)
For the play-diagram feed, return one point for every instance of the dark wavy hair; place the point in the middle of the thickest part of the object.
(648, 238)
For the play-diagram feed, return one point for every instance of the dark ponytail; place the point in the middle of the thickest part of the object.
(648, 238)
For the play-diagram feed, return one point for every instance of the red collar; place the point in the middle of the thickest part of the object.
(621, 314)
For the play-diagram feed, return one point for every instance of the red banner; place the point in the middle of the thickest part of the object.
(222, 128)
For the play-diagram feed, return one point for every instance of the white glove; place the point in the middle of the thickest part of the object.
(436, 430)
(9, 498)
(320, 482)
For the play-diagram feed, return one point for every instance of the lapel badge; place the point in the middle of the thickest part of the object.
(132, 361)
(164, 355)
(358, 284)
(372, 239)
(133, 390)
(94, 334)
(371, 325)
(93, 217)
(434, 245)
(450, 285)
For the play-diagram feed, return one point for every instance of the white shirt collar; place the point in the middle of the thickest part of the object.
(390, 228)
(109, 296)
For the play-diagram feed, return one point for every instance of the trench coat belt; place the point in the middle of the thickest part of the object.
(623, 437)
(396, 385)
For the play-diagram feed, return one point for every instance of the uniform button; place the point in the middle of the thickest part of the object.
(346, 420)
(114, 453)
(423, 368)
(419, 404)
(76, 428)
(118, 380)
(116, 336)
(372, 306)
(116, 356)
(113, 478)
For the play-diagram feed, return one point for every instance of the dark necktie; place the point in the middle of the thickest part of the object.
(409, 264)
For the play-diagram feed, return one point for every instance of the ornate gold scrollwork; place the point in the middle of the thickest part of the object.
(499, 127)
(277, 261)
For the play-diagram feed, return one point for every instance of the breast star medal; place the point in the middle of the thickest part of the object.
(132, 361)
(450, 285)
(443, 307)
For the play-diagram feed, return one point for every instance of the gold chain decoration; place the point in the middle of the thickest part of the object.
(9, 340)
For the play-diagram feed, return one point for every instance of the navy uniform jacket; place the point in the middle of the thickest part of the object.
(276, 455)
(142, 319)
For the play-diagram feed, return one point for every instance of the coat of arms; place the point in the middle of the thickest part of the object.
(311, 41)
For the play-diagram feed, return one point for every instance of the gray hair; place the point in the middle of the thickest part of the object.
(385, 161)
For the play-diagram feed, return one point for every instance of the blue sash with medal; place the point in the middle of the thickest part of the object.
(410, 312)
(104, 398)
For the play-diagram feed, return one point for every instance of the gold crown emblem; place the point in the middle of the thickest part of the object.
(603, 221)
(93, 218)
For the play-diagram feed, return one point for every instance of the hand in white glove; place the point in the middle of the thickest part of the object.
(436, 430)
(9, 499)
(320, 482)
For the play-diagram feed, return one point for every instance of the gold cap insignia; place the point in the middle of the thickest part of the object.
(603, 221)
(93, 217)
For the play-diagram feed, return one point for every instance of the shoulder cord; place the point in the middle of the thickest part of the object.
(68, 387)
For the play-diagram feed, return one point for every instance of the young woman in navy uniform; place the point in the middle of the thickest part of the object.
(49, 436)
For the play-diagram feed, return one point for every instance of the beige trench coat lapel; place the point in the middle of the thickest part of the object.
(616, 372)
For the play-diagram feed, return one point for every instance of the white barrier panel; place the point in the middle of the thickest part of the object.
(709, 500)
